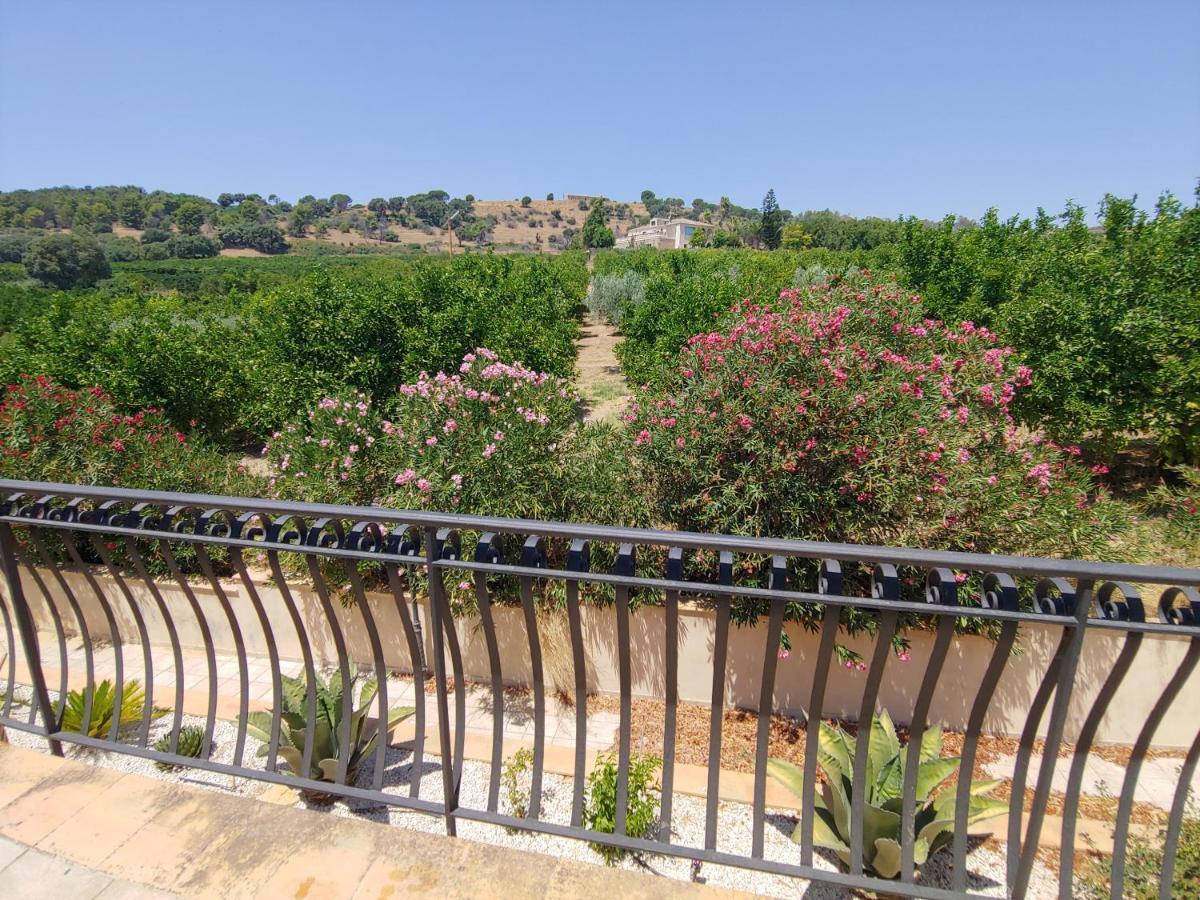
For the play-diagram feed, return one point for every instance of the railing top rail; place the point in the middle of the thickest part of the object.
(906, 556)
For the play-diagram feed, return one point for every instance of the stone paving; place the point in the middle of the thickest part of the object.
(68, 829)
(1155, 785)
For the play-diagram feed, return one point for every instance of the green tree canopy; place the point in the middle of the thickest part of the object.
(66, 261)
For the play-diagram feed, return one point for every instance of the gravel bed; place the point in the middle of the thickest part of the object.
(987, 866)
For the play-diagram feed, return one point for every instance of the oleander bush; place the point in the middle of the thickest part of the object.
(51, 433)
(484, 439)
(842, 412)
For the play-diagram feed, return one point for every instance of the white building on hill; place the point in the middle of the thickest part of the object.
(664, 234)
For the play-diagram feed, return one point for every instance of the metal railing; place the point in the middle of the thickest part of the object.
(134, 538)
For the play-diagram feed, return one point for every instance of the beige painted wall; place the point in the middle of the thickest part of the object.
(959, 680)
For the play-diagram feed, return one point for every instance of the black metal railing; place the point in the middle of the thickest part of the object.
(63, 545)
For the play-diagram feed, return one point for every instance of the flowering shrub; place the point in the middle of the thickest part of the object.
(484, 440)
(841, 413)
(50, 433)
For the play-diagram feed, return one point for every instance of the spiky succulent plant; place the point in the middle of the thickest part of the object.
(934, 825)
(104, 695)
(327, 730)
(191, 740)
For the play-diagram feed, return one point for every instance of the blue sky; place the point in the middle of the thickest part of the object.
(870, 108)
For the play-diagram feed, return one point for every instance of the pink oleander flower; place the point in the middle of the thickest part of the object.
(643, 437)
(488, 451)
(405, 477)
(423, 485)
(431, 441)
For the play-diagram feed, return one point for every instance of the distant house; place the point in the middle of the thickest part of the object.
(664, 234)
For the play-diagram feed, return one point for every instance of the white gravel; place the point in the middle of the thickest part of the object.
(987, 867)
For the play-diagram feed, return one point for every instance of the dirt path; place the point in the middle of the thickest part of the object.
(602, 387)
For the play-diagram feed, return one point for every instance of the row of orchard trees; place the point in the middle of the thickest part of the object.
(1108, 315)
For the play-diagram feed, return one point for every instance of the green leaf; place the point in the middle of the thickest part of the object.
(886, 860)
(932, 773)
(931, 743)
(888, 782)
(835, 751)
(825, 832)
(789, 775)
(258, 726)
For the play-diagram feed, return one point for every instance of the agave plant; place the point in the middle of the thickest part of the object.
(190, 743)
(883, 806)
(327, 730)
(133, 700)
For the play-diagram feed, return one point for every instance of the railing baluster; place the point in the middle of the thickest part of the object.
(1129, 609)
(447, 547)
(829, 582)
(487, 550)
(625, 566)
(579, 559)
(114, 633)
(531, 558)
(1191, 615)
(1183, 788)
(59, 635)
(310, 669)
(884, 586)
(11, 648)
(942, 589)
(671, 677)
(436, 591)
(1037, 708)
(766, 703)
(85, 637)
(143, 635)
(717, 704)
(210, 653)
(264, 621)
(239, 646)
(139, 566)
(416, 658)
(998, 591)
(28, 631)
(1054, 733)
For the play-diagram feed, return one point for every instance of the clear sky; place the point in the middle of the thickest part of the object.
(869, 108)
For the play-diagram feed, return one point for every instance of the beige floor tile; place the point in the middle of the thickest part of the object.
(95, 831)
(330, 870)
(50, 802)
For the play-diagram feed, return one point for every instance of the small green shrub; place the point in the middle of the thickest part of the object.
(191, 742)
(1144, 865)
(612, 296)
(934, 820)
(515, 777)
(600, 803)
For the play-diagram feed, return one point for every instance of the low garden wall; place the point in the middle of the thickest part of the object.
(961, 675)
